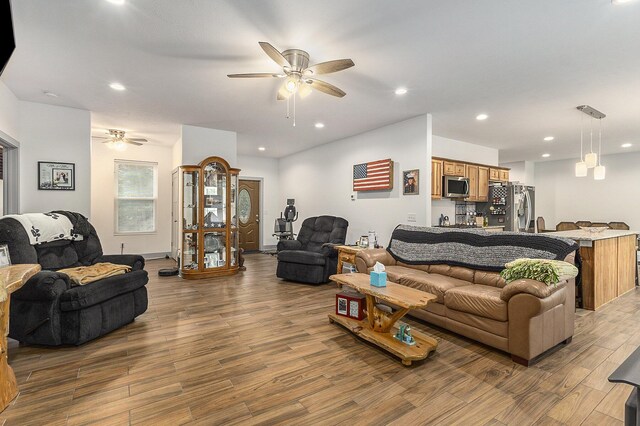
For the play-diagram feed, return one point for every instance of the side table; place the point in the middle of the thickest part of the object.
(12, 278)
(347, 254)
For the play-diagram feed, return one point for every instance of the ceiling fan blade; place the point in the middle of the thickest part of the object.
(137, 139)
(130, 142)
(329, 67)
(325, 87)
(255, 75)
(274, 54)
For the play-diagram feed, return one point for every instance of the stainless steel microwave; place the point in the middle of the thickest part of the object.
(455, 187)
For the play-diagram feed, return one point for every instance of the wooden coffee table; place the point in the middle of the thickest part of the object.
(379, 327)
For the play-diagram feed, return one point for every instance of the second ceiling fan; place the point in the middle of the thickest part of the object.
(299, 76)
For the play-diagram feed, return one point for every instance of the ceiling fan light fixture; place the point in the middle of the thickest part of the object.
(292, 84)
(119, 145)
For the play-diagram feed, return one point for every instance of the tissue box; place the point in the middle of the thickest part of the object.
(378, 279)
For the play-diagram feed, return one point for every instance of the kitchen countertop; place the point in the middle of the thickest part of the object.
(580, 235)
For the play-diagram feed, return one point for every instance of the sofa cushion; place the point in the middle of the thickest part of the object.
(394, 272)
(492, 279)
(302, 257)
(99, 291)
(458, 272)
(500, 328)
(56, 255)
(477, 299)
(435, 284)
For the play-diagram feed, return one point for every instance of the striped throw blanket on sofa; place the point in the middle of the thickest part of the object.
(473, 248)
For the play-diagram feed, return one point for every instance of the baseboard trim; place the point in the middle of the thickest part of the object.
(152, 256)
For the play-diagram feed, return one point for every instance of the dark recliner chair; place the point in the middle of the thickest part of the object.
(47, 310)
(311, 258)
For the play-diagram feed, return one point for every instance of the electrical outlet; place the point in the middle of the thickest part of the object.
(412, 217)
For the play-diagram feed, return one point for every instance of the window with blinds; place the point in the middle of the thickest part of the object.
(136, 196)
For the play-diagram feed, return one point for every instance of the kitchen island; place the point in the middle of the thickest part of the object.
(608, 264)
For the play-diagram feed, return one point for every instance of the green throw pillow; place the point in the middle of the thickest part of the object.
(549, 272)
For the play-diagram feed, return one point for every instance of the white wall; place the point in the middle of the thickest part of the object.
(53, 133)
(461, 151)
(9, 111)
(521, 171)
(560, 196)
(199, 143)
(176, 154)
(271, 204)
(321, 178)
(103, 193)
(464, 151)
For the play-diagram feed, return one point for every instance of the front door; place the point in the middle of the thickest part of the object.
(249, 214)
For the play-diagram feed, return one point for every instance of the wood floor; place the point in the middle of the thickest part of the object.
(250, 349)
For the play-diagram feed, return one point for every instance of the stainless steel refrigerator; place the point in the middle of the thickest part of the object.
(512, 206)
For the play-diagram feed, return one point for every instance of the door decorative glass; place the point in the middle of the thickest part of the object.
(244, 206)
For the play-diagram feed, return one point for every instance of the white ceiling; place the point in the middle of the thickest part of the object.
(527, 64)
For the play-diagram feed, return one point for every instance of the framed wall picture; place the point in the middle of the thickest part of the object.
(5, 259)
(410, 181)
(56, 176)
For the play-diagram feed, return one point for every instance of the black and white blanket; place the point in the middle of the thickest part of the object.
(47, 227)
(473, 248)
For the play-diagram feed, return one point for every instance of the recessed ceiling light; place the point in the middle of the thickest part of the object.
(620, 1)
(120, 2)
(546, 155)
(262, 148)
(481, 117)
(549, 138)
(117, 86)
(626, 145)
(319, 125)
(401, 91)
(51, 94)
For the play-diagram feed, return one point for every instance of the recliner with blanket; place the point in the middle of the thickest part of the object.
(48, 310)
(311, 258)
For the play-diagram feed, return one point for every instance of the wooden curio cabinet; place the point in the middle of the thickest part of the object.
(208, 215)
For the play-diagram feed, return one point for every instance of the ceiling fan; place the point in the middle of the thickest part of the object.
(117, 140)
(300, 77)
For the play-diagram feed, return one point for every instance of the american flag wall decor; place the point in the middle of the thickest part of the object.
(373, 176)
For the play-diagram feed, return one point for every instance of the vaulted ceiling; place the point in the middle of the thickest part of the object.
(527, 64)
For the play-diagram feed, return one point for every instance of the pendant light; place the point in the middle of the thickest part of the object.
(591, 158)
(581, 166)
(599, 171)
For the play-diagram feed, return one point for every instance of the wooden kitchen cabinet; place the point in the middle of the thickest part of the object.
(494, 174)
(450, 168)
(483, 184)
(472, 174)
(436, 179)
(504, 175)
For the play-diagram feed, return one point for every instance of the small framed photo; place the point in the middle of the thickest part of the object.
(411, 180)
(56, 176)
(5, 259)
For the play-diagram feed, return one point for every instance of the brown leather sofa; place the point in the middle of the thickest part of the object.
(524, 318)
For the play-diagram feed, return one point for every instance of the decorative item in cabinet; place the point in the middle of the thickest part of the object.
(209, 246)
(436, 179)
